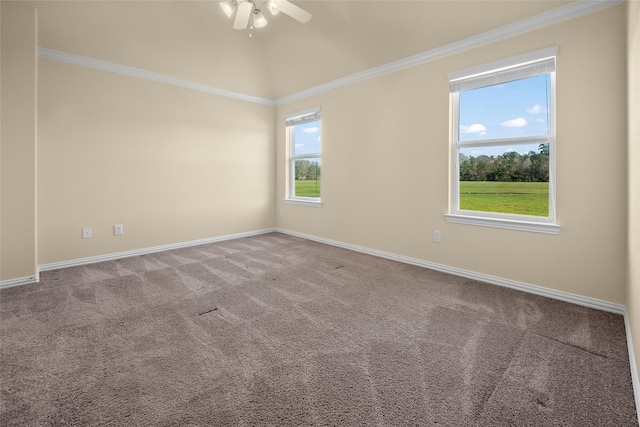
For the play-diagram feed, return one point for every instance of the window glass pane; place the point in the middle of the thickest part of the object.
(307, 138)
(307, 177)
(513, 180)
(515, 109)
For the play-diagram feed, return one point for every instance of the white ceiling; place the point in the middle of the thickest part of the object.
(194, 40)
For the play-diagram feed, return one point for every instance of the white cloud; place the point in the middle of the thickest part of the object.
(299, 145)
(536, 109)
(474, 128)
(313, 129)
(520, 122)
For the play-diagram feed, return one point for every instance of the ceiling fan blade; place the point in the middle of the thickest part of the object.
(294, 11)
(242, 15)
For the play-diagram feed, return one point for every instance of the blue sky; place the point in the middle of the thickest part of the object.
(513, 109)
(307, 138)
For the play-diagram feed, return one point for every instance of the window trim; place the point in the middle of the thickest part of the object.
(512, 67)
(292, 120)
(300, 202)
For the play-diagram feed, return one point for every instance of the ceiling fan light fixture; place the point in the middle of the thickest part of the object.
(228, 7)
(259, 20)
(246, 9)
(273, 6)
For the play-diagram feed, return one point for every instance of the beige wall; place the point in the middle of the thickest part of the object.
(386, 172)
(18, 135)
(174, 165)
(170, 164)
(186, 39)
(633, 76)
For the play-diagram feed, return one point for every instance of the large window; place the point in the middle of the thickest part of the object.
(504, 143)
(304, 166)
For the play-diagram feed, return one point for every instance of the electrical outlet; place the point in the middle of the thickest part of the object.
(281, 212)
(437, 237)
(86, 233)
(118, 230)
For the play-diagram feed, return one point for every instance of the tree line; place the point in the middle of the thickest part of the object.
(306, 170)
(508, 167)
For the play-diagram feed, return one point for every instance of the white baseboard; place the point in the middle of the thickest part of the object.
(533, 289)
(632, 364)
(145, 251)
(19, 281)
(525, 287)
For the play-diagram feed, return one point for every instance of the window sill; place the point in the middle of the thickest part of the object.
(509, 224)
(311, 203)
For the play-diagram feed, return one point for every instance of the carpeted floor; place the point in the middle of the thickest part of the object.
(276, 330)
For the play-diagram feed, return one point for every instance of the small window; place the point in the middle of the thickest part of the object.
(504, 143)
(304, 159)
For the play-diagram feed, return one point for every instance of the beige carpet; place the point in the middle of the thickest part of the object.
(276, 330)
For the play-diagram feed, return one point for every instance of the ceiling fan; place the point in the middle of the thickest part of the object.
(246, 9)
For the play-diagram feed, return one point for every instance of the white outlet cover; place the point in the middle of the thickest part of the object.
(86, 233)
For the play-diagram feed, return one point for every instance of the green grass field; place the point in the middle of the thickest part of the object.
(523, 198)
(308, 188)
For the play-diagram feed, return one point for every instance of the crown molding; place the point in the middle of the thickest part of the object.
(554, 16)
(83, 61)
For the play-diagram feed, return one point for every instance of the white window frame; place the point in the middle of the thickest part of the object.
(502, 71)
(292, 120)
